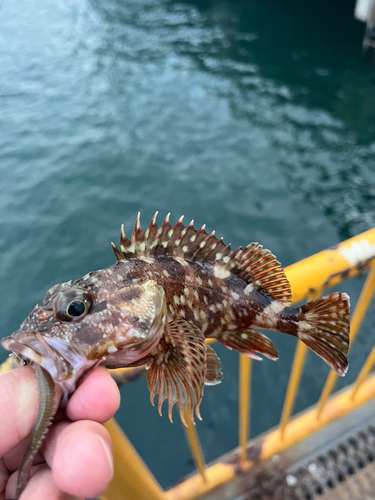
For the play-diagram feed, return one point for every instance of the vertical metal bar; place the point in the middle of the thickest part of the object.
(194, 444)
(358, 315)
(244, 404)
(132, 478)
(369, 363)
(293, 384)
(294, 378)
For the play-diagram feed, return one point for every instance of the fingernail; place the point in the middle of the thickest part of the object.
(108, 452)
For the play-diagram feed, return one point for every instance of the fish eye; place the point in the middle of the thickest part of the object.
(73, 304)
(76, 308)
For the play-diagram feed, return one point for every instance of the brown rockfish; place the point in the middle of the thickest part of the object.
(170, 289)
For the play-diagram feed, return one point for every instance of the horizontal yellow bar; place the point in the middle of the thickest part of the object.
(298, 429)
(327, 268)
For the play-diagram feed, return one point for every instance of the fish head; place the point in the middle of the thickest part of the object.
(90, 322)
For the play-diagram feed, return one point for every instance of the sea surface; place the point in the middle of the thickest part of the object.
(255, 117)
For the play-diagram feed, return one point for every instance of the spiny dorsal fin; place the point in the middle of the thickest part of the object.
(254, 264)
(258, 266)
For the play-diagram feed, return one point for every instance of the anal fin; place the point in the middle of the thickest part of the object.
(213, 375)
(177, 369)
(249, 342)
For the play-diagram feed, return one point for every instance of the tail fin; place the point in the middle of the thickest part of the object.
(324, 327)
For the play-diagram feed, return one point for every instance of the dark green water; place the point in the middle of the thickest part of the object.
(254, 117)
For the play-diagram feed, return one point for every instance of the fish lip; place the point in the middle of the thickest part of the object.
(60, 359)
(41, 356)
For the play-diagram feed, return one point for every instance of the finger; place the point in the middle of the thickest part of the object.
(97, 398)
(4, 475)
(13, 459)
(80, 455)
(19, 398)
(41, 485)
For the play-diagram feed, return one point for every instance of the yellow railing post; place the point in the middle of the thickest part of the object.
(369, 363)
(194, 444)
(294, 379)
(358, 315)
(244, 404)
(293, 384)
(132, 478)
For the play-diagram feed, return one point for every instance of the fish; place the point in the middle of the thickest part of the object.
(170, 289)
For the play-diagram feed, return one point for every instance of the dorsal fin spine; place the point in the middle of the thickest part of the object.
(253, 264)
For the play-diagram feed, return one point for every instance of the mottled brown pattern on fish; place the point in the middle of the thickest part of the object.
(172, 287)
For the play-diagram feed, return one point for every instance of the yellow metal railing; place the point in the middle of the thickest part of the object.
(308, 279)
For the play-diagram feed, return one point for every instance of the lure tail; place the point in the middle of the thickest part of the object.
(324, 327)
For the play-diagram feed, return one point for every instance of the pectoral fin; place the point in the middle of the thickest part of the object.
(178, 367)
(249, 342)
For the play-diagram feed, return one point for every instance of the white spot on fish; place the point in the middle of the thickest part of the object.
(149, 260)
(186, 291)
(210, 282)
(273, 308)
(181, 261)
(235, 295)
(182, 299)
(185, 248)
(166, 273)
(199, 281)
(221, 272)
(142, 247)
(196, 295)
(249, 288)
(111, 349)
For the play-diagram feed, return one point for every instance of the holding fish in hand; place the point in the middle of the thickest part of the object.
(170, 289)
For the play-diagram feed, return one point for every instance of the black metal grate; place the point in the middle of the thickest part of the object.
(336, 466)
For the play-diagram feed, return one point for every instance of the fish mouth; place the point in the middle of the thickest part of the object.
(62, 361)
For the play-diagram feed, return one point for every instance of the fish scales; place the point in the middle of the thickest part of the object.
(171, 288)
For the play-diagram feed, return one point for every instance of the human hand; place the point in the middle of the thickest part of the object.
(76, 456)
